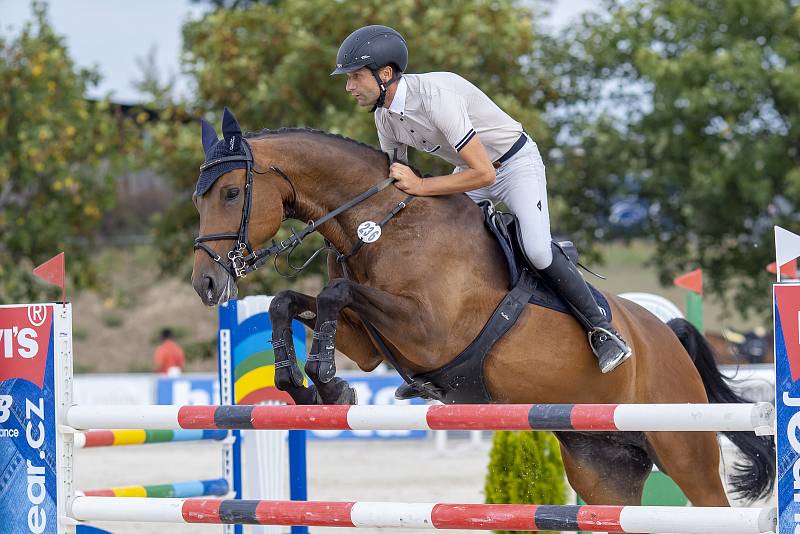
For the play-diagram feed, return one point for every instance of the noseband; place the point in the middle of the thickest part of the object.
(242, 258)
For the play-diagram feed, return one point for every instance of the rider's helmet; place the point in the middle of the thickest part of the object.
(373, 47)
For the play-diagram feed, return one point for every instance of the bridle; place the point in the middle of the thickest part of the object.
(242, 258)
(238, 261)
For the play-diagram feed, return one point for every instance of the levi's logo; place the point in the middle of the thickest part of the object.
(24, 342)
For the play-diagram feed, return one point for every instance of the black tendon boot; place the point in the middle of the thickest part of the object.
(606, 343)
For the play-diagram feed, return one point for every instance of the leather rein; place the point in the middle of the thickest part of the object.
(243, 259)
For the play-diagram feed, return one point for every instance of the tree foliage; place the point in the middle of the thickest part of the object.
(525, 468)
(271, 64)
(58, 156)
(694, 106)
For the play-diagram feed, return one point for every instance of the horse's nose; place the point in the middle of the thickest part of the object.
(205, 288)
(208, 285)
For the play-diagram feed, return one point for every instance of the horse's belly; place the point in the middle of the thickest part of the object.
(545, 358)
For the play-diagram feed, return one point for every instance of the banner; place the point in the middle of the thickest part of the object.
(787, 397)
(29, 459)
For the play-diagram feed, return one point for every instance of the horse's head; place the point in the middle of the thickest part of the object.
(229, 228)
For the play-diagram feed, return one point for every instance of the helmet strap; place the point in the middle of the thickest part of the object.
(382, 86)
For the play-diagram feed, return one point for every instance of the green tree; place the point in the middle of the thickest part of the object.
(525, 468)
(58, 155)
(271, 62)
(695, 104)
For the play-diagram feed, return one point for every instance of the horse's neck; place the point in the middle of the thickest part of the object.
(325, 179)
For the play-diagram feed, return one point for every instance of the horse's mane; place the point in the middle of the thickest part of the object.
(312, 132)
(369, 149)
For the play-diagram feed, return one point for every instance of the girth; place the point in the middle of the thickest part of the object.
(461, 381)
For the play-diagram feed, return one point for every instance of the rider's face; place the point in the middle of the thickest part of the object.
(362, 86)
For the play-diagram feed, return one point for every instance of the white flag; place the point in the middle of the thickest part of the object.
(787, 247)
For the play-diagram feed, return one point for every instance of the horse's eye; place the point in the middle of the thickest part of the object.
(232, 193)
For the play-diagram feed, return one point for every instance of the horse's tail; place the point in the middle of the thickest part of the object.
(754, 475)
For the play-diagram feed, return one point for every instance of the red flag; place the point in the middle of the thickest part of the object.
(789, 270)
(52, 271)
(692, 281)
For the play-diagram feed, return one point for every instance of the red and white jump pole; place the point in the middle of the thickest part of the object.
(655, 519)
(757, 418)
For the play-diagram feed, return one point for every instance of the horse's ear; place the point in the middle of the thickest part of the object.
(209, 135)
(231, 131)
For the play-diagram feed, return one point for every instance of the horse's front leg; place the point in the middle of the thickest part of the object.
(371, 303)
(321, 364)
(286, 306)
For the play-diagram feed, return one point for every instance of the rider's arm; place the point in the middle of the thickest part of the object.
(448, 113)
(479, 173)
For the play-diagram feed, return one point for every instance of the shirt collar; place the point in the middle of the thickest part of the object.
(398, 104)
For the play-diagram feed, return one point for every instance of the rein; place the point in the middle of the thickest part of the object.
(244, 259)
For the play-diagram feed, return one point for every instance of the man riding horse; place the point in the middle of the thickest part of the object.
(443, 114)
(376, 308)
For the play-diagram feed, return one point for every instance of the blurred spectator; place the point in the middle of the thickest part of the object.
(168, 357)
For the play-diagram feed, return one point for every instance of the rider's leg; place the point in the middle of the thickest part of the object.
(522, 185)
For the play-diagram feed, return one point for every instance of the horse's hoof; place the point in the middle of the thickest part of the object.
(305, 396)
(347, 396)
(338, 391)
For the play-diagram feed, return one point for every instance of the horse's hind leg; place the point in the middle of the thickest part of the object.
(691, 459)
(604, 469)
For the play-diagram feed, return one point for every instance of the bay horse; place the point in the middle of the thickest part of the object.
(428, 285)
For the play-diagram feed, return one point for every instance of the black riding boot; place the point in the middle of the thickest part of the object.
(606, 343)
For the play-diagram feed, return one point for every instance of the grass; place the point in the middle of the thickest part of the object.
(626, 270)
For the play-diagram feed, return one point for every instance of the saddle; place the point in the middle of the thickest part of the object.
(461, 381)
(504, 227)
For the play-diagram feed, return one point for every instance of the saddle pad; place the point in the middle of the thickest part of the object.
(506, 236)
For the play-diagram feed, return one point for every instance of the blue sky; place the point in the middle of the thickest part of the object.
(113, 34)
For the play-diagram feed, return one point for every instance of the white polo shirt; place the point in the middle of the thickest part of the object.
(439, 112)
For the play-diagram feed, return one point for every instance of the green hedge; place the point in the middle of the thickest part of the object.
(525, 468)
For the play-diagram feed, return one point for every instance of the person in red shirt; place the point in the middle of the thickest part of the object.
(168, 357)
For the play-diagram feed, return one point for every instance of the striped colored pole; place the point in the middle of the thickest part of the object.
(531, 517)
(193, 488)
(582, 417)
(116, 438)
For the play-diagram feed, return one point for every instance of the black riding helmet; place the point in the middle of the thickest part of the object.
(373, 47)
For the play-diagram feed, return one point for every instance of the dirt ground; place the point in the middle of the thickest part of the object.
(398, 471)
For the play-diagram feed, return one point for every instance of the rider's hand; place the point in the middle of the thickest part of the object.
(407, 181)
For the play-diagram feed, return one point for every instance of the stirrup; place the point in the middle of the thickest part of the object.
(406, 391)
(417, 388)
(609, 362)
